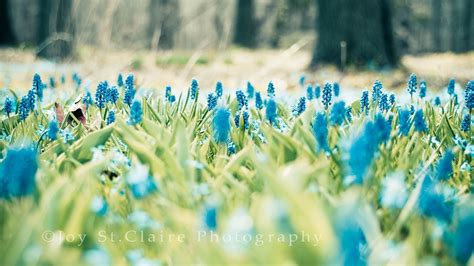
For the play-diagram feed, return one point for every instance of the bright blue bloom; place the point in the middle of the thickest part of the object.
(317, 91)
(352, 241)
(167, 92)
(412, 110)
(362, 152)
(99, 206)
(17, 172)
(52, 82)
(250, 90)
(469, 95)
(422, 89)
(338, 113)
(437, 101)
(237, 119)
(394, 192)
(231, 148)
(101, 94)
(135, 113)
(211, 101)
(451, 86)
(320, 131)
(349, 113)
(129, 90)
(463, 236)
(382, 129)
(258, 100)
(412, 84)
(245, 117)
(219, 89)
(241, 99)
(383, 103)
(327, 95)
(210, 218)
(31, 99)
(364, 102)
(53, 130)
(392, 99)
(88, 99)
(309, 92)
(221, 125)
(172, 99)
(404, 122)
(466, 123)
(8, 106)
(63, 78)
(419, 122)
(336, 88)
(271, 90)
(110, 117)
(77, 79)
(376, 91)
(143, 188)
(112, 95)
(38, 86)
(120, 80)
(302, 80)
(194, 89)
(433, 203)
(271, 111)
(445, 166)
(24, 108)
(300, 107)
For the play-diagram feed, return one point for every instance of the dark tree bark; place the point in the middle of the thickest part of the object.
(466, 33)
(56, 29)
(163, 24)
(355, 32)
(6, 32)
(454, 29)
(436, 24)
(245, 28)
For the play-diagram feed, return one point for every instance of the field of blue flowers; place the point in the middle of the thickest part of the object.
(126, 175)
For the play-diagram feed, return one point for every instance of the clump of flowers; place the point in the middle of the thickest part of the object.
(110, 117)
(135, 113)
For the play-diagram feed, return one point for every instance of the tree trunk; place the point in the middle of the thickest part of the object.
(245, 26)
(454, 29)
(355, 32)
(56, 29)
(436, 24)
(163, 24)
(6, 33)
(465, 43)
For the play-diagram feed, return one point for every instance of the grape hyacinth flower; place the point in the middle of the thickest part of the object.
(38, 86)
(382, 129)
(194, 89)
(99, 206)
(404, 122)
(87, 100)
(219, 89)
(394, 192)
(445, 166)
(237, 119)
(309, 92)
(167, 93)
(63, 78)
(110, 117)
(463, 236)
(112, 95)
(53, 130)
(52, 82)
(231, 148)
(221, 125)
(17, 172)
(349, 113)
(271, 90)
(352, 241)
(271, 111)
(383, 103)
(392, 99)
(376, 91)
(364, 102)
(139, 180)
(8, 106)
(412, 84)
(24, 108)
(469, 95)
(412, 110)
(437, 101)
(419, 122)
(250, 90)
(336, 89)
(101, 94)
(422, 89)
(317, 91)
(338, 113)
(211, 101)
(451, 86)
(120, 80)
(31, 99)
(210, 218)
(135, 113)
(245, 117)
(302, 80)
(300, 107)
(258, 101)
(362, 152)
(67, 135)
(320, 132)
(241, 99)
(433, 203)
(466, 123)
(327, 94)
(129, 90)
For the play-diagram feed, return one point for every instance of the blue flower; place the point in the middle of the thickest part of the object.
(445, 166)
(422, 89)
(317, 91)
(8, 106)
(67, 135)
(327, 95)
(167, 92)
(437, 101)
(53, 130)
(451, 86)
(221, 125)
(77, 79)
(338, 113)
(376, 91)
(24, 108)
(309, 92)
(141, 183)
(352, 241)
(433, 203)
(382, 129)
(392, 99)
(241, 99)
(112, 95)
(300, 107)
(394, 192)
(135, 113)
(129, 90)
(271, 90)
(120, 80)
(210, 218)
(349, 113)
(245, 117)
(101, 94)
(404, 122)
(383, 103)
(419, 122)
(194, 89)
(302, 80)
(362, 152)
(466, 123)
(99, 206)
(271, 111)
(38, 86)
(88, 99)
(211, 101)
(364, 102)
(469, 95)
(63, 78)
(250, 90)
(412, 84)
(110, 117)
(258, 100)
(17, 172)
(31, 99)
(52, 82)
(336, 88)
(463, 236)
(320, 131)
(231, 148)
(219, 89)
(237, 119)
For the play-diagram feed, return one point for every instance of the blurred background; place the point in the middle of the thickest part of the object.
(170, 41)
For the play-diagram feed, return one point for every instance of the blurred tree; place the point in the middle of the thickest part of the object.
(6, 33)
(164, 23)
(354, 32)
(245, 25)
(436, 24)
(55, 29)
(467, 31)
